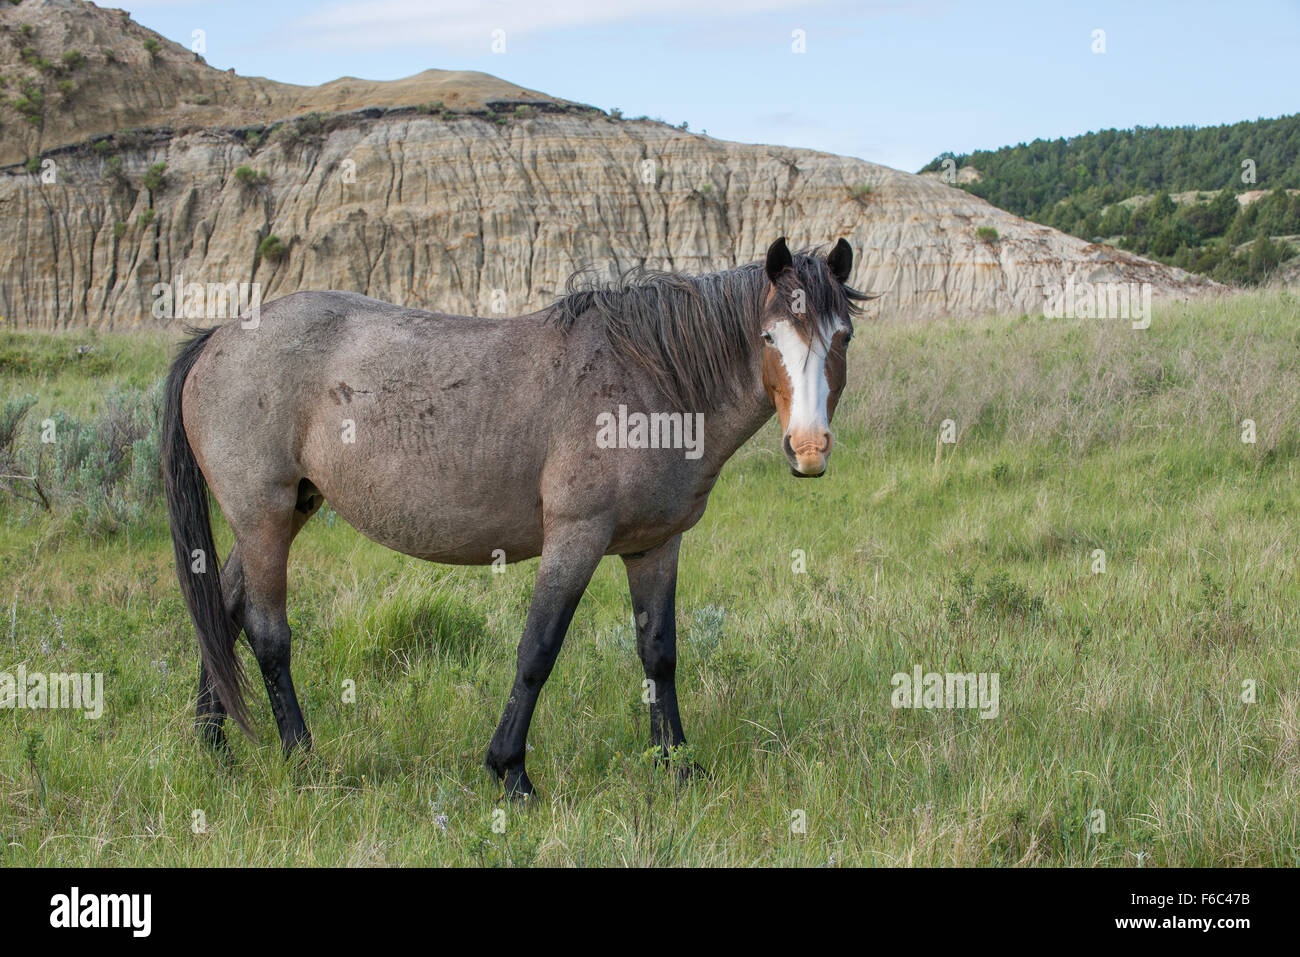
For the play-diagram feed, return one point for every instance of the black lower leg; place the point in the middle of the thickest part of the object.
(548, 620)
(568, 559)
(210, 714)
(652, 579)
(270, 637)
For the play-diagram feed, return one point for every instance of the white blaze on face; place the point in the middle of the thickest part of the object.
(805, 364)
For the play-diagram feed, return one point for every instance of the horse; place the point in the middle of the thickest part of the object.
(571, 433)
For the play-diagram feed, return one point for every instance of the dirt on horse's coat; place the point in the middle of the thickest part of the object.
(455, 439)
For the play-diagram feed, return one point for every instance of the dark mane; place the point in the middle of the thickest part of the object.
(690, 333)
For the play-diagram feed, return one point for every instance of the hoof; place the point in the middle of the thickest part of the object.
(516, 780)
(519, 788)
(298, 743)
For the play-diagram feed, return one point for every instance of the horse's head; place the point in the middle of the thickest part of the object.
(806, 327)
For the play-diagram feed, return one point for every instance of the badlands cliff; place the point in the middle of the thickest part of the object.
(127, 161)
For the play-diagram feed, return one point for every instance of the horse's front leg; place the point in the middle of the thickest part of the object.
(652, 578)
(569, 556)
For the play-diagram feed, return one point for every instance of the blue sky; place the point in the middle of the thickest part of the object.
(890, 82)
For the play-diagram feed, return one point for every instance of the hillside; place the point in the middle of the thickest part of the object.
(1092, 186)
(128, 161)
(96, 71)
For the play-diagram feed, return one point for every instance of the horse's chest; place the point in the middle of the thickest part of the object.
(659, 515)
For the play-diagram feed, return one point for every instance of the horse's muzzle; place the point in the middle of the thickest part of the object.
(807, 453)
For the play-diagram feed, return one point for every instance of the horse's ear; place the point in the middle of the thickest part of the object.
(841, 261)
(778, 258)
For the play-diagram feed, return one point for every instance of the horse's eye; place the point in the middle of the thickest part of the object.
(767, 337)
(848, 338)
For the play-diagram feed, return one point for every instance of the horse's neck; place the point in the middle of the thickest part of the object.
(731, 426)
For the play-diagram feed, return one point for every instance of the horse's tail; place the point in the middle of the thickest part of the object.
(187, 509)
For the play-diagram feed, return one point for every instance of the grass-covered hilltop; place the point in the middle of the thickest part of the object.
(1111, 532)
(1223, 201)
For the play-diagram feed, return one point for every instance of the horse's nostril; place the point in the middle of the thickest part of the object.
(821, 445)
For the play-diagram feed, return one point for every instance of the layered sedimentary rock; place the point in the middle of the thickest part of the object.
(450, 191)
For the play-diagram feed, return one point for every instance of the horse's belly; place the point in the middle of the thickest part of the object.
(439, 479)
(474, 510)
(441, 531)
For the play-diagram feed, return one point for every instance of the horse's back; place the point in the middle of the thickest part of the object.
(311, 313)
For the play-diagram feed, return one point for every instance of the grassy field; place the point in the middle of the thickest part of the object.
(1121, 691)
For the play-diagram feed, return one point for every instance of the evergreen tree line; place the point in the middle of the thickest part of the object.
(1077, 185)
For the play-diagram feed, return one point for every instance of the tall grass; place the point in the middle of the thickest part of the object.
(1126, 691)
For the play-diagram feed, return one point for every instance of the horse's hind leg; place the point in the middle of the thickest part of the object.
(264, 551)
(210, 714)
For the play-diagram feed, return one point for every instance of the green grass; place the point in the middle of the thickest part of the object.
(1119, 691)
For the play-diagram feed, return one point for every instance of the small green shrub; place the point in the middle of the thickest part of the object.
(247, 176)
(11, 414)
(986, 234)
(272, 249)
(153, 180)
(303, 131)
(32, 57)
(1000, 598)
(1218, 619)
(32, 103)
(114, 172)
(103, 471)
(706, 630)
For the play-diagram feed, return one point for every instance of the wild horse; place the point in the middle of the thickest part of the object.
(456, 439)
